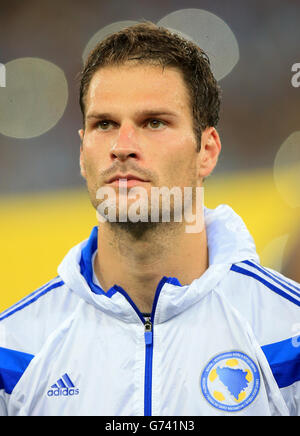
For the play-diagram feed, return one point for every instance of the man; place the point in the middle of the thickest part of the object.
(147, 318)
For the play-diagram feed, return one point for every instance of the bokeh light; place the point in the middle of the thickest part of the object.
(103, 33)
(34, 99)
(286, 170)
(211, 33)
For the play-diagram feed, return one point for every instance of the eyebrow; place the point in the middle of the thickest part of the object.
(145, 113)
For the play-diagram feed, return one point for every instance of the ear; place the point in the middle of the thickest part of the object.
(81, 159)
(209, 152)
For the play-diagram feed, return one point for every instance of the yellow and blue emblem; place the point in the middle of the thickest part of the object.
(230, 381)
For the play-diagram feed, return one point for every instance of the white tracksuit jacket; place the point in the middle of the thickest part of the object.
(226, 344)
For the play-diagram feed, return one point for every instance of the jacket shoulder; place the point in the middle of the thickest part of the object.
(268, 300)
(268, 279)
(26, 325)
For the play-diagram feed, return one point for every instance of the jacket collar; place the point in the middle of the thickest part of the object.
(228, 242)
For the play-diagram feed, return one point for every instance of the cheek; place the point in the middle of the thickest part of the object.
(91, 171)
(93, 155)
(180, 166)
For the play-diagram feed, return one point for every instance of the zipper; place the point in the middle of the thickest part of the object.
(148, 334)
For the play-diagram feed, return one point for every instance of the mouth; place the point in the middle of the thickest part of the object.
(128, 180)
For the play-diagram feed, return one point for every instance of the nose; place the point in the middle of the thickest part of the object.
(126, 145)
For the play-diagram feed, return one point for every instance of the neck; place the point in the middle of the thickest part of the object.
(137, 258)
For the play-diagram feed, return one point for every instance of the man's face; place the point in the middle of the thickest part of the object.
(138, 123)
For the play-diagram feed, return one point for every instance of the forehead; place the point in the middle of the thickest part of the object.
(137, 86)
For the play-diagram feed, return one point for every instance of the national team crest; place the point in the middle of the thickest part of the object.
(230, 381)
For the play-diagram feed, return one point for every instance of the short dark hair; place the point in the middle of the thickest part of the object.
(148, 43)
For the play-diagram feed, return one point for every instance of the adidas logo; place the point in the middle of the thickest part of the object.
(63, 387)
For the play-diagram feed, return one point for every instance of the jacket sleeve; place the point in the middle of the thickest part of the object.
(25, 327)
(3, 407)
(270, 302)
(291, 395)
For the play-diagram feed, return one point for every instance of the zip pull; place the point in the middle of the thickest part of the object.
(148, 332)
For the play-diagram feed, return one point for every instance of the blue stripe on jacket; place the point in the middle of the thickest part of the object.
(284, 360)
(12, 366)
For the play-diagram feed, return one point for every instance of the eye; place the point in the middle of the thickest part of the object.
(155, 124)
(104, 124)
